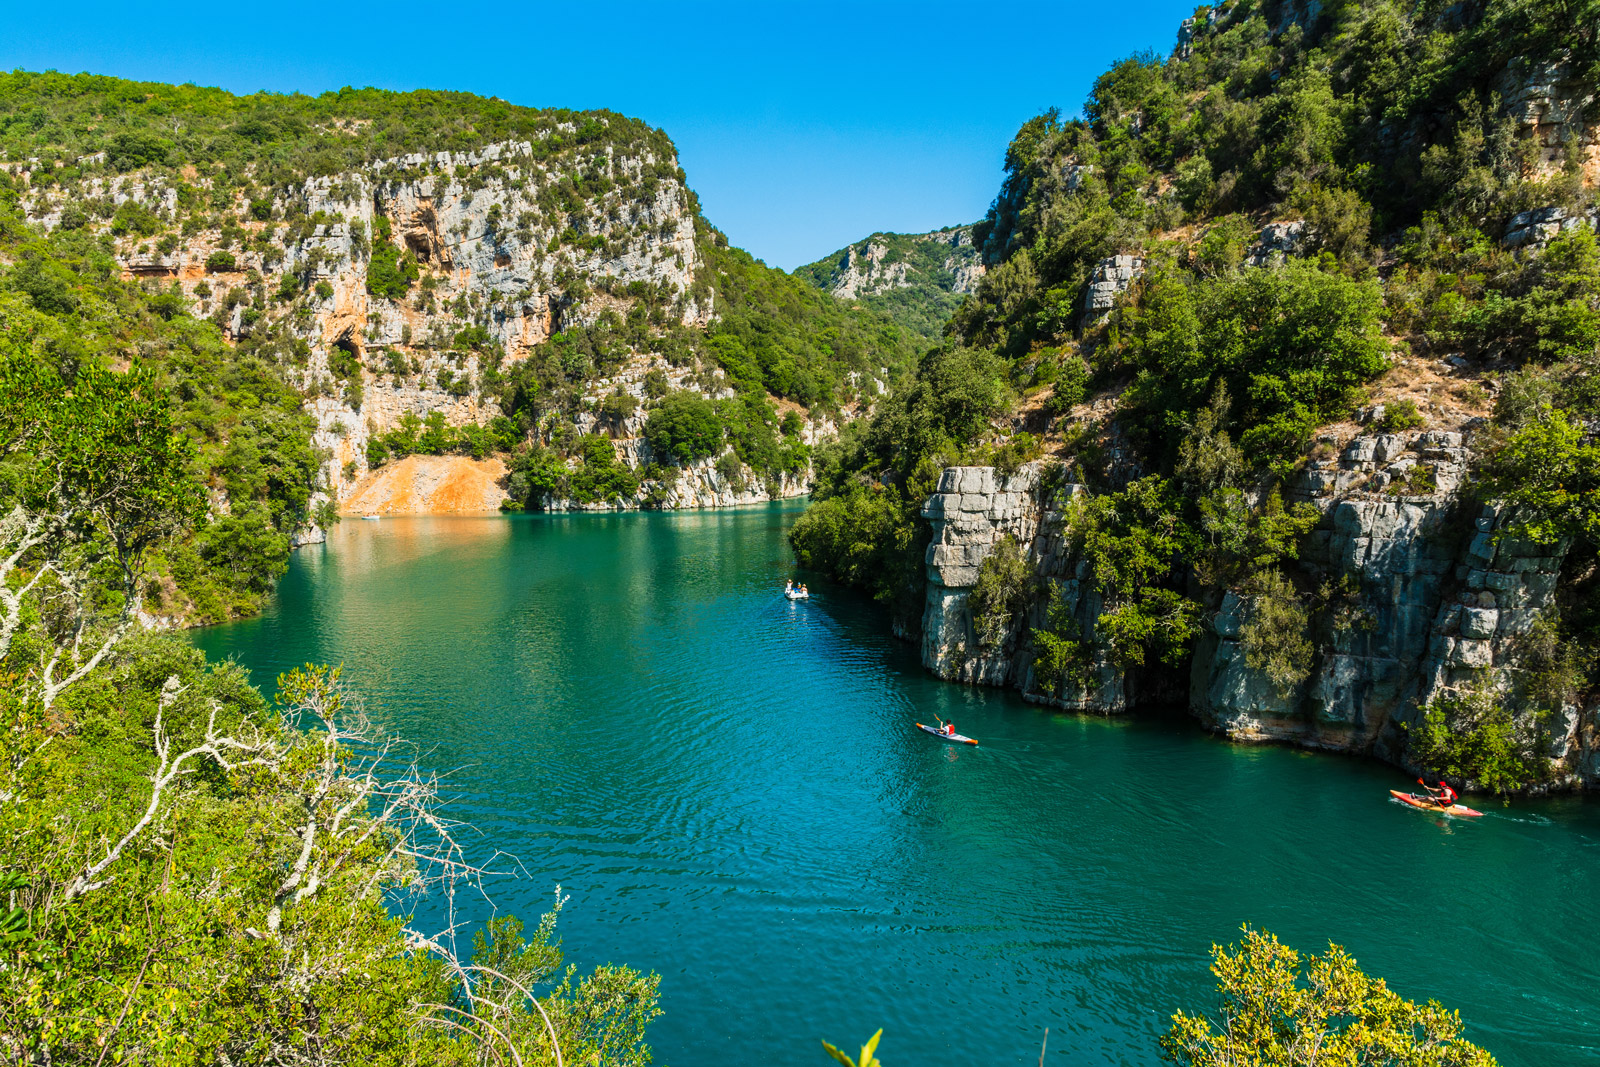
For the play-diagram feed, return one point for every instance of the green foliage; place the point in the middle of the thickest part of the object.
(1238, 540)
(220, 261)
(1292, 344)
(1472, 736)
(134, 218)
(537, 475)
(1547, 311)
(390, 273)
(1222, 247)
(1276, 632)
(1061, 657)
(204, 901)
(1005, 581)
(1402, 415)
(1274, 1014)
(1133, 541)
(600, 476)
(864, 536)
(780, 334)
(1550, 472)
(286, 136)
(247, 434)
(753, 428)
(685, 427)
(433, 437)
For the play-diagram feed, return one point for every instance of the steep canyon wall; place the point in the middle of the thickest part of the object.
(1438, 595)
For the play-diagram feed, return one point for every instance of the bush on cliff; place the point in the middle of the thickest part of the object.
(1549, 471)
(1291, 345)
(1472, 735)
(390, 273)
(1006, 580)
(600, 476)
(1133, 541)
(685, 427)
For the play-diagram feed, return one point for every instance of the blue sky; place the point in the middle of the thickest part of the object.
(802, 127)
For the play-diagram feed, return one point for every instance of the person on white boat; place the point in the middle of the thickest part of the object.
(805, 592)
(788, 587)
(950, 729)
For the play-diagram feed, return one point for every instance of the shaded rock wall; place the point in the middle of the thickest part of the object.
(1430, 594)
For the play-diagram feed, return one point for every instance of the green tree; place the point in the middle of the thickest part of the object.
(1276, 1012)
(1132, 541)
(684, 427)
(1549, 471)
(1005, 580)
(1472, 736)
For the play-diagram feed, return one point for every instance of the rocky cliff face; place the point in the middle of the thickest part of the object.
(1438, 596)
(917, 278)
(890, 261)
(513, 242)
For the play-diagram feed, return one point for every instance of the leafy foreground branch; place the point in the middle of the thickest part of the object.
(1273, 1015)
(190, 875)
(211, 888)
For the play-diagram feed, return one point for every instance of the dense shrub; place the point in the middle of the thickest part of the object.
(1473, 736)
(1005, 582)
(1291, 345)
(685, 427)
(390, 273)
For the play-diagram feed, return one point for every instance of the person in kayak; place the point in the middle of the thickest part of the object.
(1444, 796)
(950, 729)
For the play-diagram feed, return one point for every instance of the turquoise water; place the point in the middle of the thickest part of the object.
(730, 788)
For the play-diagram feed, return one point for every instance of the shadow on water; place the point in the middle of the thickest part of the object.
(729, 786)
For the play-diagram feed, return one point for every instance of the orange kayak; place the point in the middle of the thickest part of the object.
(1427, 804)
(960, 739)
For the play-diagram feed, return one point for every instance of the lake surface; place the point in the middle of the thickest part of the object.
(730, 788)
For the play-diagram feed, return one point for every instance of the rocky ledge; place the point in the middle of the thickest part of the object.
(1439, 594)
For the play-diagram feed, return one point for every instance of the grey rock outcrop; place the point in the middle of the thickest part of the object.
(1423, 598)
(1536, 228)
(1276, 243)
(1112, 275)
(1554, 106)
(973, 509)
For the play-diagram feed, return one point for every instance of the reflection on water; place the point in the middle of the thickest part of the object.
(730, 787)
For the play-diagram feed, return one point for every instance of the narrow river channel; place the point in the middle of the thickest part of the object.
(730, 788)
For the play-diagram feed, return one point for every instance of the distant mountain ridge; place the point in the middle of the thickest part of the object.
(917, 278)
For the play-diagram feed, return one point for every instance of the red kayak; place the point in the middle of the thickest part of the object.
(1427, 803)
(960, 739)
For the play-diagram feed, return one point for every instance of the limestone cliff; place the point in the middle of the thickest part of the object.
(1439, 595)
(408, 287)
(916, 278)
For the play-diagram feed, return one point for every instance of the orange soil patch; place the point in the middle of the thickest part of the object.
(429, 485)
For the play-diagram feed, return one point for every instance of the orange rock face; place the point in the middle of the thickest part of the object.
(430, 485)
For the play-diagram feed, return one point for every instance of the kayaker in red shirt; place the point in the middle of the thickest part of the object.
(950, 728)
(1445, 797)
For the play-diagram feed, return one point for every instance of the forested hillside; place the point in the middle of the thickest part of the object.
(917, 279)
(1305, 225)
